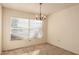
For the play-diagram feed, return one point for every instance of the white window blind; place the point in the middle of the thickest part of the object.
(26, 28)
(35, 29)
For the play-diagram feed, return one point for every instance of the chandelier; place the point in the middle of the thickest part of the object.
(40, 16)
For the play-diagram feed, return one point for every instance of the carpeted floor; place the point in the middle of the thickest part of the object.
(41, 49)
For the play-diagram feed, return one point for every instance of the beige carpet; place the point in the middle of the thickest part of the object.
(41, 49)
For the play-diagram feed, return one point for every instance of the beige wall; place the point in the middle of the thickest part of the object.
(0, 29)
(7, 43)
(63, 29)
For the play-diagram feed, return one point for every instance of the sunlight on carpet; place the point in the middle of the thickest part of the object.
(36, 52)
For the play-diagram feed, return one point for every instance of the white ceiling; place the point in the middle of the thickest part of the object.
(47, 8)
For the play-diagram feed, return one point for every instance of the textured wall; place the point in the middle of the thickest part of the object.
(63, 29)
(7, 43)
(0, 29)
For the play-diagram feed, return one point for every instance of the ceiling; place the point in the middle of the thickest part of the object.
(47, 8)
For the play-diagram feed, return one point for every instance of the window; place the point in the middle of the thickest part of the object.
(25, 28)
(35, 29)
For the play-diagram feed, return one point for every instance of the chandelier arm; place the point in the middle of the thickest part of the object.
(40, 16)
(40, 11)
